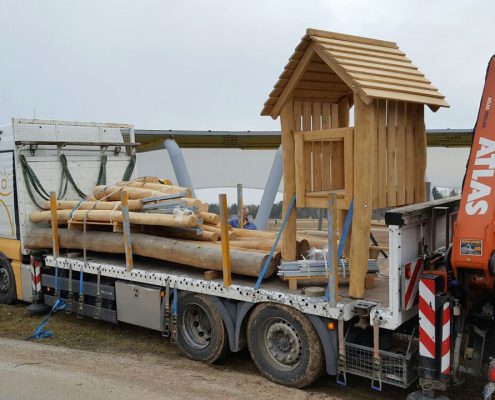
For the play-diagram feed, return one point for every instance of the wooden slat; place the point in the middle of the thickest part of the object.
(349, 165)
(335, 116)
(337, 157)
(354, 45)
(382, 153)
(300, 170)
(307, 112)
(315, 67)
(352, 70)
(317, 149)
(323, 86)
(297, 116)
(419, 153)
(335, 66)
(325, 134)
(402, 89)
(365, 52)
(391, 153)
(350, 38)
(343, 111)
(321, 77)
(326, 149)
(345, 62)
(409, 154)
(320, 94)
(296, 75)
(401, 154)
(320, 99)
(360, 78)
(402, 63)
(326, 78)
(386, 94)
(374, 158)
(325, 114)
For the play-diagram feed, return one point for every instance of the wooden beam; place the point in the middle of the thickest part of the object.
(288, 154)
(54, 221)
(364, 117)
(124, 199)
(224, 226)
(344, 106)
(294, 79)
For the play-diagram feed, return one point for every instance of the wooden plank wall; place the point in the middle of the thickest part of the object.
(324, 162)
(399, 154)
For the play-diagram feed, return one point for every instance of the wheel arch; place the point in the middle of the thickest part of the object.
(329, 341)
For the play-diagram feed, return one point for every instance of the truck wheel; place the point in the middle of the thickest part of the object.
(201, 333)
(7, 282)
(284, 345)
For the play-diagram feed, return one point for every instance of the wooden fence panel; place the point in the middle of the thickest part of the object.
(391, 153)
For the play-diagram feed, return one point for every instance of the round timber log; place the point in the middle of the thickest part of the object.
(202, 255)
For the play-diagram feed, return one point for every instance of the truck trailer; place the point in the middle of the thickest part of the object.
(294, 338)
(427, 317)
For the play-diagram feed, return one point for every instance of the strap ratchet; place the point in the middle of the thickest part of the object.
(341, 375)
(376, 382)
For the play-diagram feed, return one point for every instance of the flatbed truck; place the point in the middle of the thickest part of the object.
(294, 338)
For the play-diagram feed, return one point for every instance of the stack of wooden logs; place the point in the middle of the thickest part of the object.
(166, 223)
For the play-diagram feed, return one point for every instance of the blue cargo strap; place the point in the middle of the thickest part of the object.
(174, 302)
(345, 230)
(173, 334)
(59, 305)
(343, 237)
(274, 247)
(39, 333)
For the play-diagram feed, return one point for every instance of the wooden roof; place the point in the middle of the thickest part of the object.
(328, 66)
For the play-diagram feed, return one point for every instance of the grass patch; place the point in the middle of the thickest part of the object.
(85, 333)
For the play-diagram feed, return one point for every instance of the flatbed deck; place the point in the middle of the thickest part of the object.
(154, 272)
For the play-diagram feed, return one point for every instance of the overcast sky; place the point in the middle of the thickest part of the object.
(210, 64)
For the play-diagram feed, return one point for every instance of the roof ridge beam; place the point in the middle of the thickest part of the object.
(351, 38)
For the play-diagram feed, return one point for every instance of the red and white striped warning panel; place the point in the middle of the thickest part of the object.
(445, 363)
(36, 274)
(427, 334)
(410, 283)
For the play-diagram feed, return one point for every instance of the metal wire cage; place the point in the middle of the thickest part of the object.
(399, 363)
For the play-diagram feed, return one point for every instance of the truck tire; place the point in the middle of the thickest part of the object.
(7, 282)
(284, 345)
(201, 334)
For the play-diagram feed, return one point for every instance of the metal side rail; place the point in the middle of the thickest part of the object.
(152, 276)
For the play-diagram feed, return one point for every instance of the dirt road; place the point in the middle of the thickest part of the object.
(32, 370)
(88, 359)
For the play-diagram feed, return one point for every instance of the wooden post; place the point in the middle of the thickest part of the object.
(54, 221)
(224, 226)
(364, 136)
(124, 199)
(288, 154)
(343, 122)
(333, 278)
(240, 205)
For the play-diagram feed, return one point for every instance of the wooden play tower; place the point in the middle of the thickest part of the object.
(330, 80)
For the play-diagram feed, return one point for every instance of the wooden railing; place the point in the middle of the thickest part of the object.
(323, 165)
